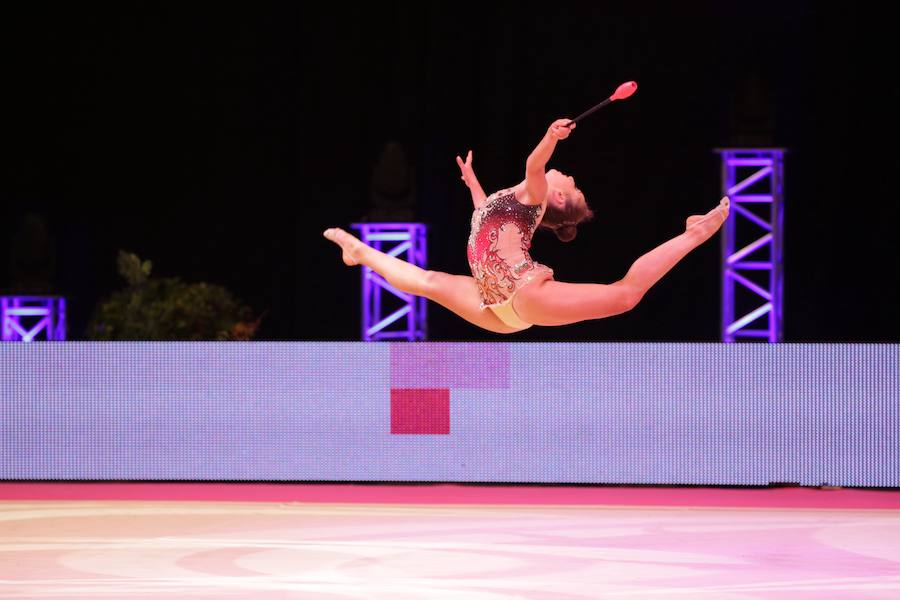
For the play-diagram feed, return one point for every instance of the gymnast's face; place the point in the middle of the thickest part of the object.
(561, 188)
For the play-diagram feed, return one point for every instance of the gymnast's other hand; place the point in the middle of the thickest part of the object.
(468, 174)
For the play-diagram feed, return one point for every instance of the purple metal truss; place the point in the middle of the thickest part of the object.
(24, 318)
(752, 250)
(381, 313)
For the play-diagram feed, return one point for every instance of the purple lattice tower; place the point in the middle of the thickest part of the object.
(30, 318)
(752, 244)
(388, 313)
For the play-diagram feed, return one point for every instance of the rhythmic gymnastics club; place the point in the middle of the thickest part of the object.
(622, 92)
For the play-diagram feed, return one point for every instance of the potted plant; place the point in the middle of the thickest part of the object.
(151, 308)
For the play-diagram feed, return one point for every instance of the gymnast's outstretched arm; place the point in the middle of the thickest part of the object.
(535, 176)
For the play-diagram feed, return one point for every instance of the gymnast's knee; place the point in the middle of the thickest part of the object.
(431, 282)
(628, 296)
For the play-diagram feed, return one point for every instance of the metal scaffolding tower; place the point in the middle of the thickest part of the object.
(380, 314)
(752, 244)
(31, 318)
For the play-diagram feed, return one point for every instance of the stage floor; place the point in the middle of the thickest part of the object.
(449, 542)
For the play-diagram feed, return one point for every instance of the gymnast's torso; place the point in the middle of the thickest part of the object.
(498, 247)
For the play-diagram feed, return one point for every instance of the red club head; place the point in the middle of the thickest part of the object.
(624, 90)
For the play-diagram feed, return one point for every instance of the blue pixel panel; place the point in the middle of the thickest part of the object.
(710, 414)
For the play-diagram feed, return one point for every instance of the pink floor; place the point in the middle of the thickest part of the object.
(783, 497)
(398, 542)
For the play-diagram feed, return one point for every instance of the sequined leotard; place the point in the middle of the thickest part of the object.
(498, 247)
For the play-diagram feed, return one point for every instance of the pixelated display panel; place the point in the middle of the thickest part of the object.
(703, 414)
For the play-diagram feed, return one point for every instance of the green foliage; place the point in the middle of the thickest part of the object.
(168, 309)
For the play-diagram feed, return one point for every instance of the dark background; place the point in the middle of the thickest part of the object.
(219, 142)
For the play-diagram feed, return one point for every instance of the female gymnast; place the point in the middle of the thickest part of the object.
(508, 291)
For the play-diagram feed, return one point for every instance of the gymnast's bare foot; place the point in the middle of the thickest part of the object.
(348, 243)
(706, 225)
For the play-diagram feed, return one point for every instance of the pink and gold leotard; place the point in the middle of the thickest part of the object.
(498, 247)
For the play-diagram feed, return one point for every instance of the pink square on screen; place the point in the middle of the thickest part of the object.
(420, 410)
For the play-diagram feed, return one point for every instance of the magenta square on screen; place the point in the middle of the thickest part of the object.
(420, 410)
